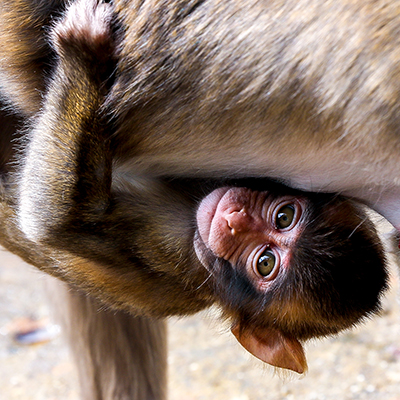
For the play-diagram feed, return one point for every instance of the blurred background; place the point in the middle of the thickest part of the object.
(205, 361)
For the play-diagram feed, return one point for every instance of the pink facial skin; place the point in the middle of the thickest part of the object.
(240, 225)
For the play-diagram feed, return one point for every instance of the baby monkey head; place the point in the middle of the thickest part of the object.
(289, 267)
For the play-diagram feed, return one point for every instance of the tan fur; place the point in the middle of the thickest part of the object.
(302, 91)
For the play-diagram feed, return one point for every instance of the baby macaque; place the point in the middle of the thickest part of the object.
(287, 267)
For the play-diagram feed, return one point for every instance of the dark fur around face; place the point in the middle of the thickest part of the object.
(337, 257)
(336, 277)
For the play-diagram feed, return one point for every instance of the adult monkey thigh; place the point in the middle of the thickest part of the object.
(131, 244)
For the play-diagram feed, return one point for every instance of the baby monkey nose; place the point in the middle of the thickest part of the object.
(238, 221)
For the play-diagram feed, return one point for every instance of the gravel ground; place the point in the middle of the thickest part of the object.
(205, 361)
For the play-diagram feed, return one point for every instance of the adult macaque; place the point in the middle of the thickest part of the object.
(107, 195)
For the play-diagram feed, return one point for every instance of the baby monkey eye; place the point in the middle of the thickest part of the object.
(266, 263)
(285, 216)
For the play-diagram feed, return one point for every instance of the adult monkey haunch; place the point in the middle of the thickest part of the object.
(136, 234)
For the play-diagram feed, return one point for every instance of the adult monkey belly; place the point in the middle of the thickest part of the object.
(298, 91)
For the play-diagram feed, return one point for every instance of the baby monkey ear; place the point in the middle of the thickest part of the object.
(273, 347)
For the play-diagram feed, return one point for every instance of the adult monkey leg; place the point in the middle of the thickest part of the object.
(67, 178)
(119, 356)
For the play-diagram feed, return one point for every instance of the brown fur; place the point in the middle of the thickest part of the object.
(25, 51)
(118, 356)
(157, 97)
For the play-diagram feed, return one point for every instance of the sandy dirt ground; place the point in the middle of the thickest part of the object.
(205, 362)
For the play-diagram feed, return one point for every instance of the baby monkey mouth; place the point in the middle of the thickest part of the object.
(206, 212)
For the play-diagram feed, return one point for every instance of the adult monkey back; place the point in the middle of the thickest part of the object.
(154, 100)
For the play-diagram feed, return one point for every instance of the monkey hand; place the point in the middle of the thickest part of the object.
(86, 33)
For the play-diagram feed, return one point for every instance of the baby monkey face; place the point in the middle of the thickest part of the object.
(256, 230)
(288, 267)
